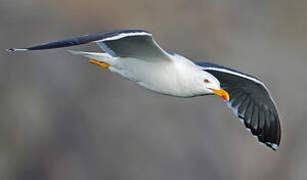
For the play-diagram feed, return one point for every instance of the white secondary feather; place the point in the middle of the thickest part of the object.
(235, 73)
(122, 35)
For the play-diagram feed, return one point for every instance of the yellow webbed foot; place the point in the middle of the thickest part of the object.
(98, 63)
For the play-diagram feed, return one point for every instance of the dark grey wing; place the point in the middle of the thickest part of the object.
(133, 46)
(121, 43)
(251, 102)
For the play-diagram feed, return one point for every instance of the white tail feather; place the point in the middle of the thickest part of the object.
(103, 57)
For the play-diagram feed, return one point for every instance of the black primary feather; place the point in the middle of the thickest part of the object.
(250, 101)
(78, 40)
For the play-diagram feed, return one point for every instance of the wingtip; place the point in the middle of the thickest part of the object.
(273, 146)
(10, 50)
(15, 49)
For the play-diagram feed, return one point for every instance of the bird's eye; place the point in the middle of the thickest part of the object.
(206, 81)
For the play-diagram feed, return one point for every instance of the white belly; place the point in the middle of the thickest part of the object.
(162, 77)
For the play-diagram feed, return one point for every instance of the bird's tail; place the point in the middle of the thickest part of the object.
(100, 59)
(92, 55)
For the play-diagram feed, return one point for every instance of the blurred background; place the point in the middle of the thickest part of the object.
(63, 118)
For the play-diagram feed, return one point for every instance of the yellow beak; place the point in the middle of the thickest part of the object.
(221, 92)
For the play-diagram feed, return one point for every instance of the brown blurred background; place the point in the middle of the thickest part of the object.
(63, 118)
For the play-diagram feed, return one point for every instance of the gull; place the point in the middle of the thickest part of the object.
(136, 56)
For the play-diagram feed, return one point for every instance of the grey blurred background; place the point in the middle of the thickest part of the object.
(63, 118)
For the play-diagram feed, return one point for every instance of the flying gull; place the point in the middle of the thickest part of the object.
(136, 56)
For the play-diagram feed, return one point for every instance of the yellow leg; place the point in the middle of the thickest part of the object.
(98, 63)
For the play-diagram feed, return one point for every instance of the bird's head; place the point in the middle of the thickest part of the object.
(212, 86)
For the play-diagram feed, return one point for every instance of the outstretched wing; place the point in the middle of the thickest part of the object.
(250, 101)
(121, 43)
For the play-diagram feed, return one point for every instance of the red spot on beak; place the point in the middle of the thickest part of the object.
(220, 92)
